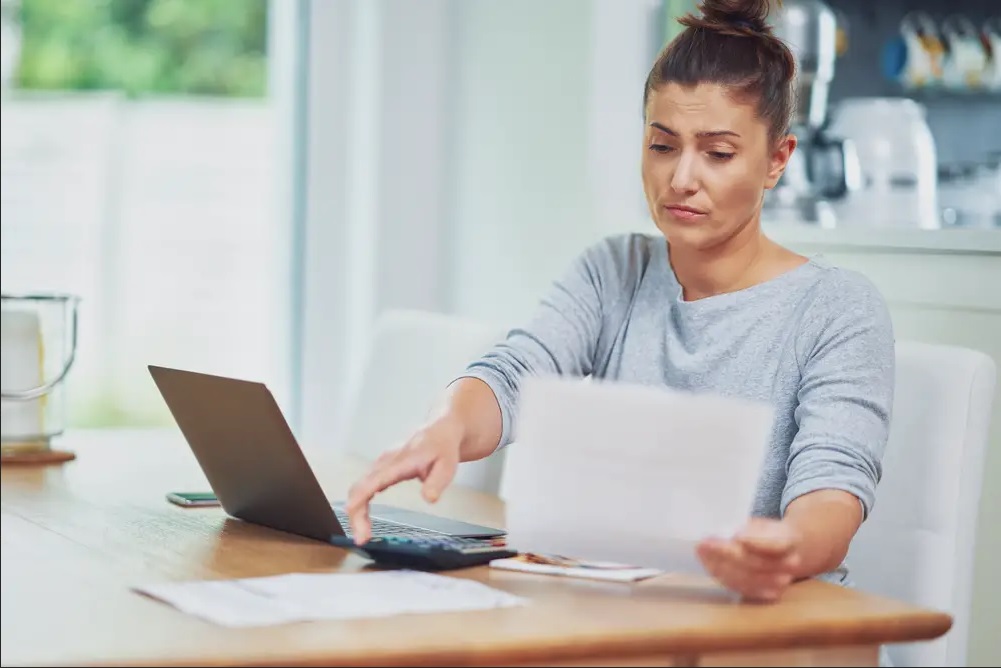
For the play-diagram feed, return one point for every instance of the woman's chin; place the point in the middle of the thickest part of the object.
(688, 235)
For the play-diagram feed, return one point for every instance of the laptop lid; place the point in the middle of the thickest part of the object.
(247, 451)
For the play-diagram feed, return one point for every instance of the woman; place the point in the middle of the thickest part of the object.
(709, 304)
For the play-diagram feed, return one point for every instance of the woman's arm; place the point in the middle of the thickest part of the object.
(835, 459)
(768, 554)
(562, 337)
(476, 413)
(822, 524)
(470, 407)
(845, 396)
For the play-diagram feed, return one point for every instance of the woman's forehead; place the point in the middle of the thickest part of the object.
(700, 108)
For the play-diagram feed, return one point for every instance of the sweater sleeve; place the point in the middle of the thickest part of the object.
(846, 352)
(561, 336)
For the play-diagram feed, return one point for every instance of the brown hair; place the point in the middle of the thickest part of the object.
(731, 44)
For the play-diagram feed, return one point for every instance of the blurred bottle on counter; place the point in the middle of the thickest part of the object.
(898, 161)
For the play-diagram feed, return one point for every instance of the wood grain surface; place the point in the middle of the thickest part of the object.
(77, 536)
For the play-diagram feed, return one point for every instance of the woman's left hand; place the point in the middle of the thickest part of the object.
(759, 563)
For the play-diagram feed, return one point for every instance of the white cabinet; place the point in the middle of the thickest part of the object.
(942, 286)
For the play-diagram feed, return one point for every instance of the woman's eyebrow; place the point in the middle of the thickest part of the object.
(704, 133)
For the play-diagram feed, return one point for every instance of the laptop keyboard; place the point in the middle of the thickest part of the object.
(382, 528)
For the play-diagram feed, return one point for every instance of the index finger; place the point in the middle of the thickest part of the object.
(362, 492)
(360, 524)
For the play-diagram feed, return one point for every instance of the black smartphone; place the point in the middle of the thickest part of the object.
(193, 499)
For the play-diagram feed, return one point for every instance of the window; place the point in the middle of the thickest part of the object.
(142, 169)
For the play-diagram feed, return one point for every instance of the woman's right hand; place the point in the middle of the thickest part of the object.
(431, 454)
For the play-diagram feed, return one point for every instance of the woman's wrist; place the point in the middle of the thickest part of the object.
(470, 416)
(452, 427)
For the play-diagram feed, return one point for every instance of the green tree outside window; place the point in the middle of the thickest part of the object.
(141, 47)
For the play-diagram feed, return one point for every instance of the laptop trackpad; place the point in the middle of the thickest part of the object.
(432, 522)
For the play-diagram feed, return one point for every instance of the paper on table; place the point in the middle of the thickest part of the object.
(297, 597)
(591, 570)
(630, 474)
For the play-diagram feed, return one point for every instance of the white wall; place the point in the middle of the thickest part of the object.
(520, 198)
(459, 158)
(377, 134)
(547, 142)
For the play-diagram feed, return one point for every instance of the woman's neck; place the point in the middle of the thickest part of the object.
(745, 259)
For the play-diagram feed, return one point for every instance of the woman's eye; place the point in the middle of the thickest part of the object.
(660, 148)
(720, 155)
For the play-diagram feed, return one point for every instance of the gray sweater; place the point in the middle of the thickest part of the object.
(815, 342)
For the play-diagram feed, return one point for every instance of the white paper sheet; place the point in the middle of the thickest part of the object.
(299, 597)
(631, 474)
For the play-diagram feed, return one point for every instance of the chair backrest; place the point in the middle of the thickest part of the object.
(918, 543)
(411, 358)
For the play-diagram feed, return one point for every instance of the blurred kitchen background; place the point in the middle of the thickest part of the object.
(242, 186)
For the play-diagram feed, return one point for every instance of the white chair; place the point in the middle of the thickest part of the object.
(918, 544)
(411, 358)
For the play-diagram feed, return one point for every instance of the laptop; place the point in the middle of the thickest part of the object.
(257, 470)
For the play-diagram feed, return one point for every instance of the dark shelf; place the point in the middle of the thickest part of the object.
(933, 94)
(928, 96)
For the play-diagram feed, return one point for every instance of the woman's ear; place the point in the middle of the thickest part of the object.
(779, 158)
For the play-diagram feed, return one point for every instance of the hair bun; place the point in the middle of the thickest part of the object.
(736, 16)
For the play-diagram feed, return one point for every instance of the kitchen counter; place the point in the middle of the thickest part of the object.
(888, 239)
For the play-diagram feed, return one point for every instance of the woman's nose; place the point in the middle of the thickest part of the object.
(683, 179)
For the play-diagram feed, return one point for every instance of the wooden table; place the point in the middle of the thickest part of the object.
(76, 537)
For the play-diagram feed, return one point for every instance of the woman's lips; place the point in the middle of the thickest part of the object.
(684, 212)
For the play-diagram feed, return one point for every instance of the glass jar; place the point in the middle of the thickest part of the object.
(38, 335)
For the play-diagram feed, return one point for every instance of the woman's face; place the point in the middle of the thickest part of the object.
(707, 161)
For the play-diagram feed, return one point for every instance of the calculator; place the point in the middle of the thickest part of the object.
(427, 553)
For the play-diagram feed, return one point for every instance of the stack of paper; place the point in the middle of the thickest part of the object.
(299, 597)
